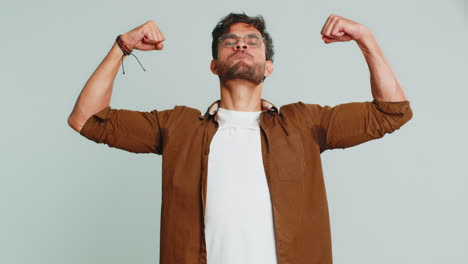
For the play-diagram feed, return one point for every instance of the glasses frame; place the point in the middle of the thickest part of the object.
(237, 40)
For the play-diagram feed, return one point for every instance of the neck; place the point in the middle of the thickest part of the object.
(241, 95)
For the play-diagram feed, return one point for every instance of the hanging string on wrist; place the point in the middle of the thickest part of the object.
(126, 51)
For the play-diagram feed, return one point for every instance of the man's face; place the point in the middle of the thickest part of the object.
(242, 61)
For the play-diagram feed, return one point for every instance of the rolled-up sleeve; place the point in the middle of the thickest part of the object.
(350, 124)
(133, 131)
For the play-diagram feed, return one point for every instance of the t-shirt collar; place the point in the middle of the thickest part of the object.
(213, 108)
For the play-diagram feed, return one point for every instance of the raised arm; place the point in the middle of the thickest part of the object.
(385, 85)
(351, 124)
(96, 94)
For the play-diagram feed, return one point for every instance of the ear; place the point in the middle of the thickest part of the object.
(213, 68)
(268, 68)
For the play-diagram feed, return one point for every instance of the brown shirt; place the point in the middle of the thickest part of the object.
(292, 139)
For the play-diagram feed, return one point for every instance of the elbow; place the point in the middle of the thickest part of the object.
(408, 114)
(73, 124)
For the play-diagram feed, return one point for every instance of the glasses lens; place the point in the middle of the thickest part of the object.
(229, 40)
(253, 40)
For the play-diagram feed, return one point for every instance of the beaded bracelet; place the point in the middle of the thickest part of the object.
(126, 51)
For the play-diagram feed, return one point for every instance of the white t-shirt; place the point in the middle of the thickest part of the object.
(238, 220)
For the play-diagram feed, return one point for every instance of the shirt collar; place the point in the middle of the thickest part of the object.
(213, 108)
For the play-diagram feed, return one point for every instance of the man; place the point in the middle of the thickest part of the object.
(243, 183)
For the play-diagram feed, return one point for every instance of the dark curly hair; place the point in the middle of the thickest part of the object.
(257, 21)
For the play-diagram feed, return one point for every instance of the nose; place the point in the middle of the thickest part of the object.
(240, 45)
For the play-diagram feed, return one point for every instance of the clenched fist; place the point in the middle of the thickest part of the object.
(145, 37)
(338, 28)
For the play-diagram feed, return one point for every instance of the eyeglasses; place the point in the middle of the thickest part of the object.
(252, 40)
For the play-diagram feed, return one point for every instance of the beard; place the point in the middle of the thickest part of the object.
(240, 70)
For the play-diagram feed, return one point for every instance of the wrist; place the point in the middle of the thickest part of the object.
(125, 50)
(367, 43)
(116, 51)
(127, 45)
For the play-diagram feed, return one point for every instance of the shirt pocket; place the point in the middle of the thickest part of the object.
(288, 158)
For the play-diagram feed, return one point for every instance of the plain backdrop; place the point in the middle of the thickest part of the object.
(65, 199)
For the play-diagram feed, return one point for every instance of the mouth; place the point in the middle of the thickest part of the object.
(239, 55)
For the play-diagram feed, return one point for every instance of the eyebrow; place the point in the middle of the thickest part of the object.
(232, 34)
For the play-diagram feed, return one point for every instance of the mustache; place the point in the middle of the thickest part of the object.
(240, 52)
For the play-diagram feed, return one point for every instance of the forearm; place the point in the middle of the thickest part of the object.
(97, 92)
(385, 85)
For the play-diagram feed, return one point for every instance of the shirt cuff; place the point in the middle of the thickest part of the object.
(393, 107)
(103, 114)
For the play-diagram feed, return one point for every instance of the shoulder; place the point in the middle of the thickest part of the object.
(302, 112)
(184, 115)
(187, 111)
(301, 107)
(179, 111)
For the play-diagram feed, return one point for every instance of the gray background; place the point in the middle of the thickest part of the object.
(64, 199)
